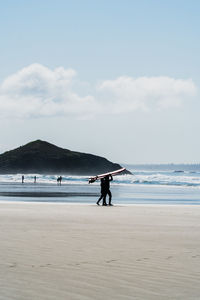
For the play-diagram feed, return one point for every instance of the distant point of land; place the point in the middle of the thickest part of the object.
(45, 158)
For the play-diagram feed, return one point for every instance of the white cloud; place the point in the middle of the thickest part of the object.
(128, 94)
(37, 91)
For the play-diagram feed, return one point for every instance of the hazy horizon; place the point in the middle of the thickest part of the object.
(123, 163)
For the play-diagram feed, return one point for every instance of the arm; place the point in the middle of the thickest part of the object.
(93, 179)
(111, 178)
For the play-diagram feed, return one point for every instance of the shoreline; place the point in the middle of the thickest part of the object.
(47, 194)
(93, 204)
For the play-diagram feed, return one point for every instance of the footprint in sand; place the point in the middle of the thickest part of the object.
(43, 266)
(195, 256)
(109, 261)
(144, 258)
(13, 265)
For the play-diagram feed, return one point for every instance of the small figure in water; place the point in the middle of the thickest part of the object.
(22, 178)
(34, 179)
(107, 191)
(102, 190)
(59, 179)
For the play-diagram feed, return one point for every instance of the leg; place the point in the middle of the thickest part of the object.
(110, 197)
(104, 199)
(100, 199)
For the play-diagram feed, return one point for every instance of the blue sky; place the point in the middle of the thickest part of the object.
(102, 41)
(123, 37)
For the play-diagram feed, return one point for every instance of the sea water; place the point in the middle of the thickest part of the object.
(148, 184)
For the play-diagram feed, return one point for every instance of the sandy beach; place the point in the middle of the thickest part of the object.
(64, 251)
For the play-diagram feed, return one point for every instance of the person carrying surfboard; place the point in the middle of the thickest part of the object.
(105, 184)
(106, 189)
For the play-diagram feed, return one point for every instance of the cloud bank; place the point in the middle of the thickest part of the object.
(37, 91)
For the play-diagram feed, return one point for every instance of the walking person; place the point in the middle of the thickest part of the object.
(107, 191)
(102, 190)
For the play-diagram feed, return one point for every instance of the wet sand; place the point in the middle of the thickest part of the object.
(64, 251)
(40, 194)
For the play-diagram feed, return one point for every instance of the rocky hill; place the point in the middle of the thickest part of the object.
(45, 158)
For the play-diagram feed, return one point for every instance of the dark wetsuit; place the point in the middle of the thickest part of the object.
(102, 190)
(106, 189)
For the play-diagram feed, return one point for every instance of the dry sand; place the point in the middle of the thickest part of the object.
(63, 251)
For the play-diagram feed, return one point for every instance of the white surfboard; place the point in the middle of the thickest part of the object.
(113, 173)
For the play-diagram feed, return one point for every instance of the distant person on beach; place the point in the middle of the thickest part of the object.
(59, 180)
(102, 190)
(34, 179)
(107, 191)
(22, 178)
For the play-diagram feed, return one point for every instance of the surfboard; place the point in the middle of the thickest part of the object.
(113, 173)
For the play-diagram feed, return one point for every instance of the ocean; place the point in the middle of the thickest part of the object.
(149, 184)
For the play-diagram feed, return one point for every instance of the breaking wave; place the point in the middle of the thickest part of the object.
(167, 178)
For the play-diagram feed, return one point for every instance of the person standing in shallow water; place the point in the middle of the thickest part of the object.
(106, 190)
(22, 178)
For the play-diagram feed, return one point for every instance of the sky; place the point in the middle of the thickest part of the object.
(119, 79)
